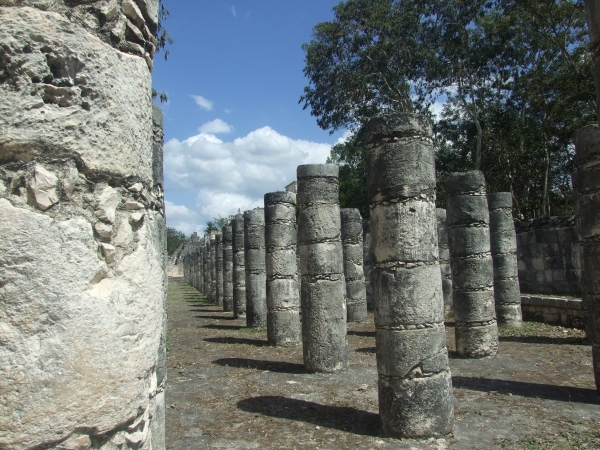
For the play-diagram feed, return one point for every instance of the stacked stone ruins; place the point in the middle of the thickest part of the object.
(471, 263)
(227, 267)
(239, 267)
(352, 244)
(256, 278)
(444, 258)
(415, 387)
(323, 288)
(283, 300)
(83, 260)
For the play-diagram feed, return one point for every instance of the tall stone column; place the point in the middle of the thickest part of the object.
(367, 262)
(200, 268)
(239, 269)
(227, 267)
(82, 228)
(352, 244)
(256, 277)
(206, 268)
(324, 339)
(213, 270)
(503, 244)
(283, 300)
(219, 268)
(415, 385)
(467, 219)
(587, 184)
(444, 258)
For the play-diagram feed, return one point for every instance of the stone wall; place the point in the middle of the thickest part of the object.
(555, 311)
(83, 260)
(548, 256)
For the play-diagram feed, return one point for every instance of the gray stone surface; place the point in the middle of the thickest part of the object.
(444, 258)
(367, 262)
(227, 267)
(212, 296)
(239, 269)
(283, 299)
(415, 386)
(503, 244)
(467, 219)
(205, 268)
(82, 232)
(325, 343)
(256, 278)
(219, 269)
(587, 185)
(352, 244)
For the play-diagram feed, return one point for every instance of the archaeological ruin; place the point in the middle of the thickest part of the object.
(352, 246)
(256, 278)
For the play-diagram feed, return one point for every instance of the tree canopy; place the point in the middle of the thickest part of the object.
(515, 78)
(174, 239)
(215, 225)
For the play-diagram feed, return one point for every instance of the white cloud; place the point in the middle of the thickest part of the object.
(215, 127)
(233, 11)
(233, 175)
(203, 102)
(344, 137)
(227, 111)
(183, 218)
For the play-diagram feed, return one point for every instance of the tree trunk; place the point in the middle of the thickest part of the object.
(592, 12)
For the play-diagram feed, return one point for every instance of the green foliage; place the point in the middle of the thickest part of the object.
(174, 239)
(163, 39)
(216, 224)
(515, 75)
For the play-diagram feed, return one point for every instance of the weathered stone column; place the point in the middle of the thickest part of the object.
(467, 219)
(227, 267)
(325, 344)
(200, 267)
(367, 262)
(587, 184)
(503, 244)
(256, 278)
(213, 269)
(415, 385)
(444, 258)
(239, 269)
(219, 269)
(352, 244)
(283, 299)
(206, 267)
(82, 229)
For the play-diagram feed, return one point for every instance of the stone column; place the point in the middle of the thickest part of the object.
(503, 244)
(227, 267)
(239, 269)
(587, 184)
(82, 228)
(219, 269)
(256, 278)
(213, 270)
(444, 258)
(205, 268)
(467, 219)
(352, 244)
(325, 344)
(367, 262)
(415, 384)
(200, 268)
(283, 300)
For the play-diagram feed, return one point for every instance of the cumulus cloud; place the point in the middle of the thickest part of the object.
(203, 102)
(182, 218)
(215, 127)
(233, 175)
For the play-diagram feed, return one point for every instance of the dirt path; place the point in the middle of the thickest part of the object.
(228, 389)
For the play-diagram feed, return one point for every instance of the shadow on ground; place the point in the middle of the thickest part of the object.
(259, 364)
(237, 340)
(526, 389)
(338, 417)
(544, 340)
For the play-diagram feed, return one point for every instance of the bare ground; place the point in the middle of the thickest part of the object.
(227, 388)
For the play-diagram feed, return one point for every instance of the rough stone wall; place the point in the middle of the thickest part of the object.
(444, 258)
(548, 254)
(352, 244)
(83, 261)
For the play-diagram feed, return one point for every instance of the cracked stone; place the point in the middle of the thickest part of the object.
(107, 205)
(132, 205)
(43, 188)
(103, 230)
(109, 253)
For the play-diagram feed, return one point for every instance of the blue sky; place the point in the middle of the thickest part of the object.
(233, 127)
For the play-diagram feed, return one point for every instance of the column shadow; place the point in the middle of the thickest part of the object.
(526, 389)
(545, 340)
(212, 326)
(338, 417)
(371, 350)
(214, 317)
(361, 333)
(236, 340)
(259, 364)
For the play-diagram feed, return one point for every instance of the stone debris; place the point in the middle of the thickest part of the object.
(43, 188)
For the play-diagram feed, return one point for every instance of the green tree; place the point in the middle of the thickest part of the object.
(216, 224)
(162, 40)
(174, 239)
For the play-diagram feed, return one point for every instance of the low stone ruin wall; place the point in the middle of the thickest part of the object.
(555, 311)
(548, 255)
